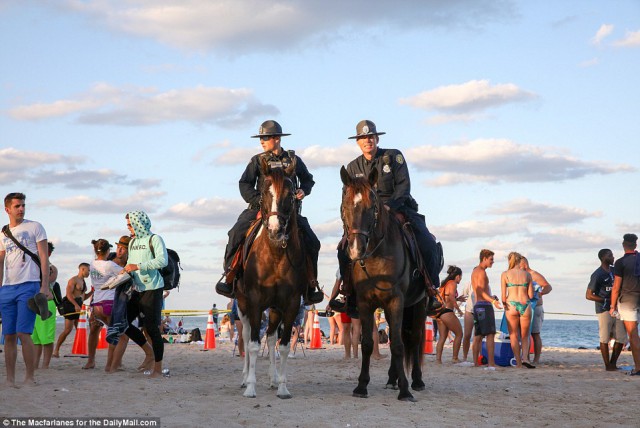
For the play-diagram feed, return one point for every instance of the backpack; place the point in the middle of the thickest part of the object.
(171, 272)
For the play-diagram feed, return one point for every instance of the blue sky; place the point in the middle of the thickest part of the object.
(518, 121)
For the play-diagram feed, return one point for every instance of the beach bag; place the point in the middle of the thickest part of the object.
(196, 336)
(171, 272)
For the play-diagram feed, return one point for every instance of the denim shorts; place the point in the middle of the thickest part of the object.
(16, 315)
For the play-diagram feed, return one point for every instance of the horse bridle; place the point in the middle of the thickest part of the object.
(285, 219)
(367, 233)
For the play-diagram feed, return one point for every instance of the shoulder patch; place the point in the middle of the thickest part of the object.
(399, 159)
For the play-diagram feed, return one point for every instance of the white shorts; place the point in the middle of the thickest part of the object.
(608, 325)
(628, 311)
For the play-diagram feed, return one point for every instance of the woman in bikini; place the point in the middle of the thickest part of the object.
(101, 270)
(446, 318)
(517, 292)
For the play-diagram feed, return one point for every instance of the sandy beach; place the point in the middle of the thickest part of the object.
(571, 388)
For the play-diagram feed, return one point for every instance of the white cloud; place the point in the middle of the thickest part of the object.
(543, 213)
(604, 31)
(235, 27)
(631, 40)
(313, 156)
(564, 240)
(330, 229)
(145, 200)
(470, 229)
(16, 165)
(104, 104)
(77, 179)
(501, 160)
(465, 98)
(322, 156)
(207, 213)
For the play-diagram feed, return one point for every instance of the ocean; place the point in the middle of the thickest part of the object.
(555, 333)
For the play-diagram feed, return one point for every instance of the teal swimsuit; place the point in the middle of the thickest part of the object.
(521, 307)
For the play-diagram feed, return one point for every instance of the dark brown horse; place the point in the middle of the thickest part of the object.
(381, 272)
(274, 276)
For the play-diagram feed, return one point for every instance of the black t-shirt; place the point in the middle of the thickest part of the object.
(601, 283)
(625, 268)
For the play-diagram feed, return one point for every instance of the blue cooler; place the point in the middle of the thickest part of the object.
(503, 352)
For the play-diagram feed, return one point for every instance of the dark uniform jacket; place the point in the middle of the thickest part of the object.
(251, 180)
(394, 184)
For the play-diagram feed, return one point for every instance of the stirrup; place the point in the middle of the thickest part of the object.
(313, 297)
(225, 289)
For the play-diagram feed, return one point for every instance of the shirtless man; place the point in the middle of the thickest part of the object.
(483, 316)
(540, 287)
(72, 302)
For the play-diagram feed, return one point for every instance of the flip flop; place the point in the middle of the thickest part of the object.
(43, 306)
(528, 365)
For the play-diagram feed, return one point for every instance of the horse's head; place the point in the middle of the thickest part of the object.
(360, 211)
(278, 200)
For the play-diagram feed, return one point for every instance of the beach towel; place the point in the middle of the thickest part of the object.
(504, 327)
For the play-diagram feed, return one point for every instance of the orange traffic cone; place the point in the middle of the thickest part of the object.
(80, 341)
(210, 338)
(316, 335)
(102, 340)
(428, 336)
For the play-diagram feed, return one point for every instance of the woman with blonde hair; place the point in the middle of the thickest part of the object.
(517, 292)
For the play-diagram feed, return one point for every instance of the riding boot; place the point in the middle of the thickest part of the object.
(226, 287)
(339, 304)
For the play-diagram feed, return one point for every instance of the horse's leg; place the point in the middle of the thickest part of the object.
(252, 347)
(272, 338)
(289, 317)
(246, 332)
(394, 312)
(366, 319)
(419, 314)
(392, 382)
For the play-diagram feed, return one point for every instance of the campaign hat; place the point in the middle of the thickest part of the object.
(270, 128)
(364, 128)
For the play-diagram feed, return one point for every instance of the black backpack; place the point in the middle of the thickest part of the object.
(171, 272)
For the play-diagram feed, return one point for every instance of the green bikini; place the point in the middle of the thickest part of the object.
(521, 307)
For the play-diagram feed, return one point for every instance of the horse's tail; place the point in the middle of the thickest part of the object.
(413, 334)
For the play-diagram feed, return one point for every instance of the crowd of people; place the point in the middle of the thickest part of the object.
(132, 309)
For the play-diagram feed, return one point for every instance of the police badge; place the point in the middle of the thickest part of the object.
(386, 169)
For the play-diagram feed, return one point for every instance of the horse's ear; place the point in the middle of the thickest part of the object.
(344, 176)
(373, 177)
(265, 168)
(290, 171)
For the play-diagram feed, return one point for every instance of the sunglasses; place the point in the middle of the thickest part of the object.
(266, 137)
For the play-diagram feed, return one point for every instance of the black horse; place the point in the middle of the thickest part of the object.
(382, 272)
(275, 272)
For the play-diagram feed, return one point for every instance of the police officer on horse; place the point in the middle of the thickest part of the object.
(270, 134)
(394, 189)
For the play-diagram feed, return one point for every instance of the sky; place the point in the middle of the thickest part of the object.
(518, 121)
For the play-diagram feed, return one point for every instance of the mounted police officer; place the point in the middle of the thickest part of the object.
(394, 188)
(270, 134)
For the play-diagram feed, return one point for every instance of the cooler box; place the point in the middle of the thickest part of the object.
(503, 352)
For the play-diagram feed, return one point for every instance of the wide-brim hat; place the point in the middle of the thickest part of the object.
(124, 241)
(270, 128)
(365, 128)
